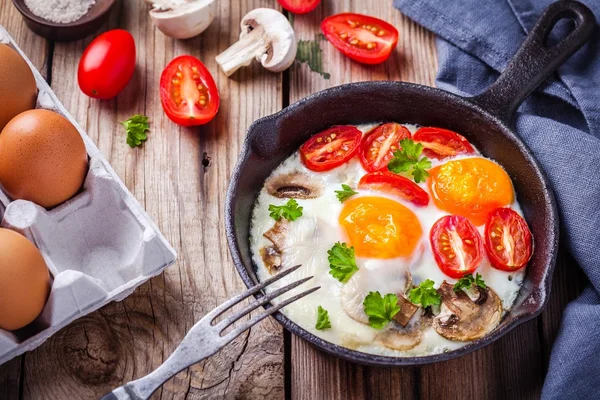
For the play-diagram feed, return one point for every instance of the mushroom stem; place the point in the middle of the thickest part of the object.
(241, 53)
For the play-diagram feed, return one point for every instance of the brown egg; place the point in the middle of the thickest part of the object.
(42, 158)
(18, 89)
(24, 281)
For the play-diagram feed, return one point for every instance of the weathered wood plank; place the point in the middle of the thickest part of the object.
(314, 374)
(180, 175)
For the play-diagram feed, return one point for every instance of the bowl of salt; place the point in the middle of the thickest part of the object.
(64, 20)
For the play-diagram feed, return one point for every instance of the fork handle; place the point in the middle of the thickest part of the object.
(184, 356)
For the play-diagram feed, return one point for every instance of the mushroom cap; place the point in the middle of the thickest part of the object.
(271, 258)
(294, 185)
(402, 338)
(278, 31)
(185, 20)
(464, 320)
(278, 234)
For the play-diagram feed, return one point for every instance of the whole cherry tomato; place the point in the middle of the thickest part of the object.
(107, 64)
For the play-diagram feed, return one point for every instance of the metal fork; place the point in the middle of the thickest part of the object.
(205, 339)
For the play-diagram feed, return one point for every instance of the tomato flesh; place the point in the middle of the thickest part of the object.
(507, 240)
(362, 38)
(397, 185)
(107, 64)
(441, 143)
(457, 245)
(188, 92)
(299, 6)
(378, 146)
(330, 148)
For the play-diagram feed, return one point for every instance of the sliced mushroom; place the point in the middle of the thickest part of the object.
(385, 280)
(271, 258)
(277, 234)
(295, 185)
(182, 19)
(267, 36)
(401, 338)
(464, 320)
(407, 310)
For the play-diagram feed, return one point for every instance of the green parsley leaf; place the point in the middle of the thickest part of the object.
(419, 172)
(425, 294)
(290, 211)
(345, 193)
(380, 310)
(136, 128)
(342, 262)
(467, 282)
(322, 319)
(407, 158)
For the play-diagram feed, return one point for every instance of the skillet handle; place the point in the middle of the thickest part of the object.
(535, 61)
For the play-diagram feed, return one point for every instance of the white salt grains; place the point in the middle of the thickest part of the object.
(60, 11)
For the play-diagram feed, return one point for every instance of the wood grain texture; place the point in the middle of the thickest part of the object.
(180, 176)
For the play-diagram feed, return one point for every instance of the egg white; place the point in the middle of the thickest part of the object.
(313, 234)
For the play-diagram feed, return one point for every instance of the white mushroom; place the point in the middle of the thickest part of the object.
(294, 185)
(463, 319)
(182, 19)
(267, 36)
(402, 338)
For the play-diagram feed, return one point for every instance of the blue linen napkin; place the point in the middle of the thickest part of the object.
(561, 125)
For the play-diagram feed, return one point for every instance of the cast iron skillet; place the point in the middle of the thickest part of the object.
(486, 121)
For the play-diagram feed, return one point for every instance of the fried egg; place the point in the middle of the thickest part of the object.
(390, 237)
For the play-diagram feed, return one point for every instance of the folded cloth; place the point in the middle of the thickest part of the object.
(561, 125)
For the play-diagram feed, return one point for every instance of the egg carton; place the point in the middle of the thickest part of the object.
(99, 246)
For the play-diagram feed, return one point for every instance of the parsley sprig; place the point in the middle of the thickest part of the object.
(468, 281)
(322, 319)
(345, 193)
(342, 262)
(425, 294)
(290, 211)
(407, 159)
(136, 128)
(380, 310)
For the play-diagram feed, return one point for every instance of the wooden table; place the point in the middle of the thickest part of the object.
(180, 175)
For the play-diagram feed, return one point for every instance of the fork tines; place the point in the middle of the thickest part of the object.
(222, 325)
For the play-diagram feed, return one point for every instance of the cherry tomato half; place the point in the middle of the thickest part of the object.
(507, 240)
(441, 143)
(299, 6)
(391, 183)
(365, 39)
(378, 146)
(107, 64)
(457, 245)
(330, 148)
(188, 92)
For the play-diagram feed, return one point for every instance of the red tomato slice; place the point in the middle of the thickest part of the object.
(507, 240)
(188, 92)
(388, 182)
(299, 6)
(365, 39)
(441, 143)
(378, 146)
(107, 64)
(330, 148)
(457, 245)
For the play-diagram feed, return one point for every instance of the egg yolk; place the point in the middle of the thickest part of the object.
(378, 227)
(471, 187)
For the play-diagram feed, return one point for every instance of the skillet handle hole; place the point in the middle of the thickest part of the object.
(561, 31)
